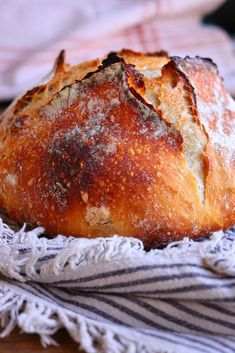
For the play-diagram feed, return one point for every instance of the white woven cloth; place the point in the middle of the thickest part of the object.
(114, 297)
(32, 33)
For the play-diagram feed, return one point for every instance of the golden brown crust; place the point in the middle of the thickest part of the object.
(89, 155)
(214, 112)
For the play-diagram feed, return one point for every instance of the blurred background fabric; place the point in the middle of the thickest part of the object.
(32, 33)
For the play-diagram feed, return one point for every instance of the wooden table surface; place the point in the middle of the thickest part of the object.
(22, 343)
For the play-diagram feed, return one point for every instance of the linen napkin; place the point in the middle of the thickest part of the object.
(32, 33)
(112, 296)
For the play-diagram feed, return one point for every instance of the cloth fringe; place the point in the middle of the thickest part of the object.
(74, 253)
(45, 320)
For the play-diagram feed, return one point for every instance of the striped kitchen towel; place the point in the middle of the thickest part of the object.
(33, 32)
(112, 296)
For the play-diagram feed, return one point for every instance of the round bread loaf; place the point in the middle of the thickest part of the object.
(135, 144)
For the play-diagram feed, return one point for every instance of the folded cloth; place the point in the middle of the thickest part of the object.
(32, 33)
(112, 296)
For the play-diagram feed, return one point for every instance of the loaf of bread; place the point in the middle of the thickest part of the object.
(133, 144)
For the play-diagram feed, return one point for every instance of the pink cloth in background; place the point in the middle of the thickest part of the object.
(33, 32)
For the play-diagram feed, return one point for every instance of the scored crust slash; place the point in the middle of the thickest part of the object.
(133, 144)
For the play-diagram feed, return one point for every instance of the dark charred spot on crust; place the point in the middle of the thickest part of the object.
(89, 74)
(67, 159)
(73, 165)
(62, 165)
(112, 58)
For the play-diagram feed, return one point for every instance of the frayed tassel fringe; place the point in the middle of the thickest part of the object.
(46, 320)
(74, 253)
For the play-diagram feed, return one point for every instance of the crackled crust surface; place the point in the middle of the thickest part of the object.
(138, 145)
